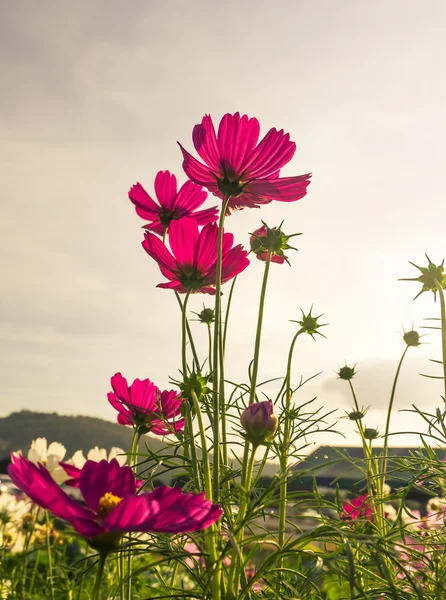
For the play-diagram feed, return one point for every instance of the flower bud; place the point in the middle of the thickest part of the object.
(206, 316)
(259, 422)
(356, 415)
(412, 338)
(432, 277)
(346, 373)
(274, 241)
(370, 433)
(309, 324)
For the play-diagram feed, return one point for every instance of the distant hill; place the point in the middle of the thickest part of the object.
(17, 431)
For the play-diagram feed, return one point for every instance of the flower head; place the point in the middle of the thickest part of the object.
(191, 266)
(358, 508)
(432, 277)
(112, 507)
(145, 407)
(259, 422)
(239, 167)
(50, 456)
(346, 373)
(274, 241)
(172, 205)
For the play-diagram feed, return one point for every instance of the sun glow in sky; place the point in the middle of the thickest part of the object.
(95, 97)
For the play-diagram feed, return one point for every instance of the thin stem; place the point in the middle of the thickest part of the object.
(48, 547)
(132, 464)
(255, 364)
(189, 336)
(99, 576)
(209, 347)
(443, 330)
(285, 448)
(215, 376)
(183, 334)
(225, 331)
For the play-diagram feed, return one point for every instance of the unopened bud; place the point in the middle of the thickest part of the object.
(346, 373)
(259, 422)
(412, 338)
(370, 433)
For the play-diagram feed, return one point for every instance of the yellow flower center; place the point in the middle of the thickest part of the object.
(107, 503)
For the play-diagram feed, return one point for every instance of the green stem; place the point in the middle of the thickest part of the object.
(183, 335)
(216, 405)
(132, 464)
(189, 336)
(48, 547)
(255, 364)
(225, 331)
(209, 347)
(99, 576)
(443, 331)
(285, 448)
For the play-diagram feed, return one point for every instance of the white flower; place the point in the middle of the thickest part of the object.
(97, 454)
(49, 456)
(12, 512)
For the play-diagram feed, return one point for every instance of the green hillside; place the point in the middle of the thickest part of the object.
(17, 430)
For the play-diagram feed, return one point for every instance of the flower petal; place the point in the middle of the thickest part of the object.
(205, 142)
(158, 251)
(274, 151)
(197, 172)
(285, 189)
(145, 207)
(125, 417)
(166, 189)
(183, 236)
(190, 197)
(237, 138)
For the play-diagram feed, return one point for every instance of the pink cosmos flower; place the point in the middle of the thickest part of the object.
(358, 508)
(144, 406)
(191, 266)
(172, 205)
(112, 506)
(237, 166)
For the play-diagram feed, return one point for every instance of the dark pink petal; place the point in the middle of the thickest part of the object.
(206, 248)
(166, 189)
(183, 236)
(208, 215)
(285, 189)
(120, 387)
(38, 484)
(86, 527)
(144, 205)
(73, 472)
(161, 428)
(171, 403)
(125, 417)
(234, 263)
(273, 152)
(237, 138)
(173, 285)
(143, 395)
(205, 142)
(190, 197)
(98, 478)
(158, 251)
(178, 512)
(130, 514)
(244, 201)
(197, 172)
(156, 227)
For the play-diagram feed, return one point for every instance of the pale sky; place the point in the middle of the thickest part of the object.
(95, 96)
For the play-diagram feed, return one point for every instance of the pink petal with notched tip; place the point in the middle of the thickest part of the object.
(144, 205)
(284, 189)
(197, 172)
(205, 142)
(237, 138)
(183, 237)
(158, 251)
(166, 189)
(274, 151)
(190, 197)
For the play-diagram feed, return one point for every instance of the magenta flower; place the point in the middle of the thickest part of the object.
(358, 508)
(112, 506)
(237, 166)
(191, 266)
(145, 407)
(172, 205)
(259, 244)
